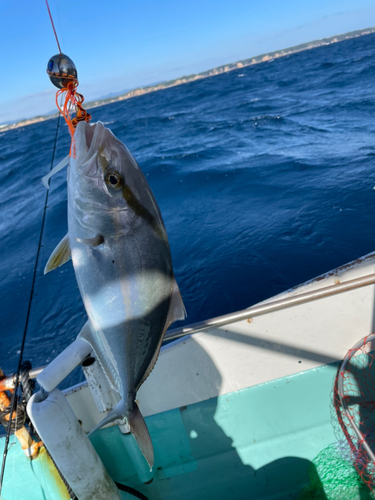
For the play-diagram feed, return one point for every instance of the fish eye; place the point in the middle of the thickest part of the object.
(114, 180)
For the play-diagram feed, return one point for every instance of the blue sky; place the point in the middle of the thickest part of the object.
(122, 44)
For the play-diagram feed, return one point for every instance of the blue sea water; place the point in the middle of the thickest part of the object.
(265, 177)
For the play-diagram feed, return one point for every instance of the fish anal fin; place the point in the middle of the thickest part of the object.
(102, 353)
(140, 432)
(59, 256)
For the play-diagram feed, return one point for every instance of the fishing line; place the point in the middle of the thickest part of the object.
(57, 20)
(14, 395)
(53, 26)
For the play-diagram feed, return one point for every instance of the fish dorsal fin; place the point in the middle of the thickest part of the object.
(59, 256)
(177, 309)
(176, 312)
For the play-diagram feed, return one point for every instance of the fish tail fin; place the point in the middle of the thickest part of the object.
(139, 430)
(118, 412)
(137, 427)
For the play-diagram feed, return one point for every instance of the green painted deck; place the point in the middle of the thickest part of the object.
(271, 441)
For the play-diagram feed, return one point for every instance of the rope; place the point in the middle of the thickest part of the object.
(27, 385)
(14, 398)
(53, 26)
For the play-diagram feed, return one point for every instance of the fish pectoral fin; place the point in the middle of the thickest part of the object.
(59, 256)
(177, 309)
(92, 242)
(139, 430)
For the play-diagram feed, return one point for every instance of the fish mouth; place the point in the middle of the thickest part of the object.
(88, 139)
(84, 136)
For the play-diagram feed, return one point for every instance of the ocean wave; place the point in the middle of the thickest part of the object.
(263, 175)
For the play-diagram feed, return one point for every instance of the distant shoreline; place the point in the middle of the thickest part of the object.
(206, 74)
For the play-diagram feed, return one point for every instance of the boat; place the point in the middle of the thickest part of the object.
(238, 407)
(265, 403)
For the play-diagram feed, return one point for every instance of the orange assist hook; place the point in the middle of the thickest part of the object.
(72, 99)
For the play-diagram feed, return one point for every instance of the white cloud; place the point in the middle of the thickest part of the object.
(28, 106)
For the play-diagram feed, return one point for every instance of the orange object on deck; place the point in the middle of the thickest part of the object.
(30, 447)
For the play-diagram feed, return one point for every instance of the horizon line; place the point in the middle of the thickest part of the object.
(224, 68)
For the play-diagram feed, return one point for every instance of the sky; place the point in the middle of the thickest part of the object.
(119, 45)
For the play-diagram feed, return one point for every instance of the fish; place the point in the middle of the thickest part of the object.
(122, 262)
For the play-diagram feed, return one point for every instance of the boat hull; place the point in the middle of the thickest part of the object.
(242, 411)
(275, 440)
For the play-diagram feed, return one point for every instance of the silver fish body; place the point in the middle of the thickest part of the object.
(122, 262)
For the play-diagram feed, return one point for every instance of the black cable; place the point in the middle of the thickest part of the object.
(27, 385)
(14, 398)
(132, 491)
(66, 484)
(28, 388)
